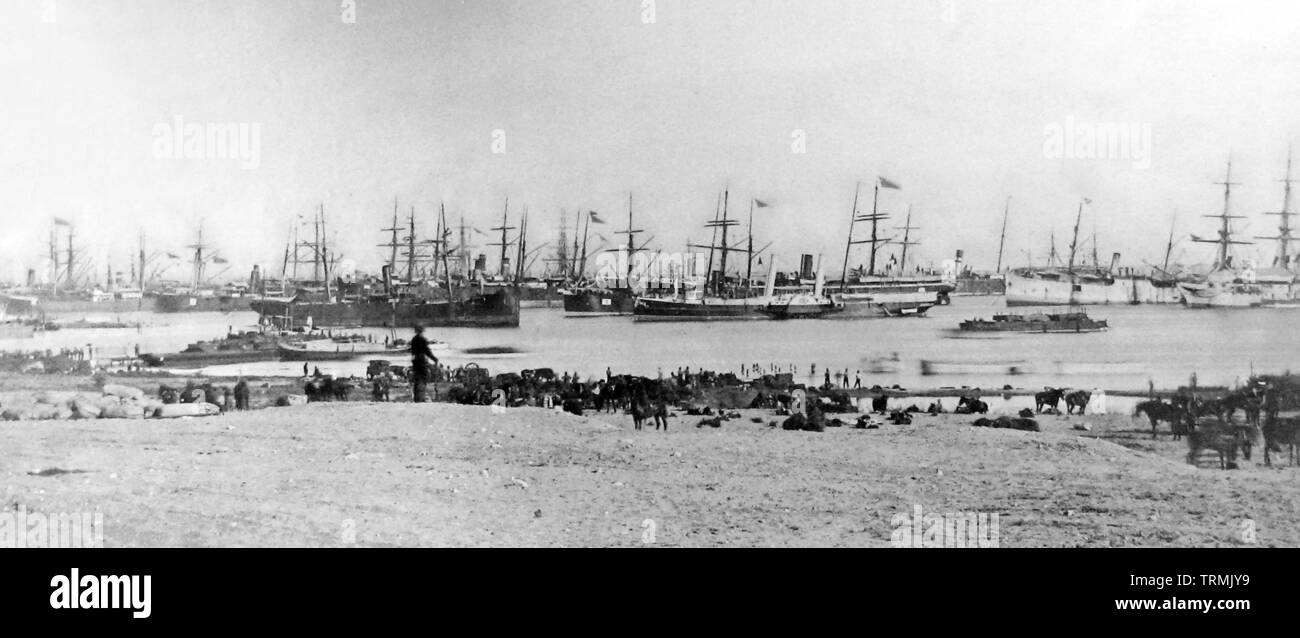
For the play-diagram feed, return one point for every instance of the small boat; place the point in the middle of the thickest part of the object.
(1072, 321)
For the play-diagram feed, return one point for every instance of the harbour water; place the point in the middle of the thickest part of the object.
(1161, 344)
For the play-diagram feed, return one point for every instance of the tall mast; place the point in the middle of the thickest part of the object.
(1074, 243)
(562, 256)
(1002, 240)
(443, 237)
(392, 243)
(586, 233)
(72, 277)
(631, 244)
(315, 253)
(198, 261)
(578, 273)
(54, 255)
(323, 247)
(875, 217)
(1223, 259)
(853, 217)
(749, 250)
(907, 233)
(1284, 238)
(875, 220)
(1169, 248)
(410, 250)
(1094, 242)
(723, 247)
(504, 241)
(717, 212)
(521, 245)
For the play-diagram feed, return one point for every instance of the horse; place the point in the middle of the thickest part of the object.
(1157, 411)
(1050, 397)
(971, 405)
(641, 410)
(1223, 438)
(1077, 399)
(661, 414)
(1279, 431)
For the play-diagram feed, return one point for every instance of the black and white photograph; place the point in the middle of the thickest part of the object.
(960, 274)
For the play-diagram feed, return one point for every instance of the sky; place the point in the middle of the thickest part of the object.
(574, 104)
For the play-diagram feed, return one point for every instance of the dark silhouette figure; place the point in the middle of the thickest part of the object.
(422, 362)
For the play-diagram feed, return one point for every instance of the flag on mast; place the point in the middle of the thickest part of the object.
(760, 203)
(59, 221)
(595, 219)
(884, 183)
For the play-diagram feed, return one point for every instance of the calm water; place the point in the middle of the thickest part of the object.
(1163, 344)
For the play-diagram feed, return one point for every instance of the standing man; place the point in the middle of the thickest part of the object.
(422, 361)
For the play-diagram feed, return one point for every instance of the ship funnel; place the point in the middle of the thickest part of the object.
(1114, 261)
(770, 288)
(817, 288)
(387, 274)
(806, 267)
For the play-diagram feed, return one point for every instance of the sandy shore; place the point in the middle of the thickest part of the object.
(444, 475)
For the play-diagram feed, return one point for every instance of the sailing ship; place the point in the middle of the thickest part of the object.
(1226, 285)
(432, 304)
(1095, 284)
(1278, 283)
(716, 298)
(199, 296)
(605, 296)
(865, 293)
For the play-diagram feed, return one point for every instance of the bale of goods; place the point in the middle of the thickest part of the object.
(123, 391)
(11, 415)
(126, 411)
(42, 412)
(174, 410)
(83, 409)
(50, 397)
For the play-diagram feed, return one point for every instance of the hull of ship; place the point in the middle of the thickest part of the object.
(342, 352)
(599, 302)
(497, 309)
(204, 359)
(1032, 291)
(884, 304)
(650, 309)
(980, 287)
(192, 303)
(1199, 297)
(1033, 327)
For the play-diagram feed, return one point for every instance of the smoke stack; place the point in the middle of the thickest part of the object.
(1114, 261)
(31, 277)
(770, 288)
(806, 267)
(386, 272)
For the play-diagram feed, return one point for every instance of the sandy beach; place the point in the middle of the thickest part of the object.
(401, 474)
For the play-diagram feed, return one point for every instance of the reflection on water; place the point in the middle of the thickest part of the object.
(1163, 344)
